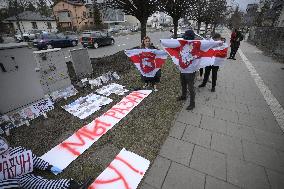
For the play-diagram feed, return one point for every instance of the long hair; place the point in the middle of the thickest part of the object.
(143, 44)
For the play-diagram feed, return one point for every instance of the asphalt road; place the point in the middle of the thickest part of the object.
(122, 43)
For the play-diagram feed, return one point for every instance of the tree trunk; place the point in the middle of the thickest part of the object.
(206, 25)
(143, 28)
(175, 22)
(198, 26)
(214, 27)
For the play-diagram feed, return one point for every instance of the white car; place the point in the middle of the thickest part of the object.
(28, 36)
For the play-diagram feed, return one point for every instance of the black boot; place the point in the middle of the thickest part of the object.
(180, 98)
(202, 85)
(213, 89)
(191, 106)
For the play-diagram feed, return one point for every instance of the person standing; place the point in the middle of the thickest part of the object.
(187, 79)
(216, 37)
(236, 38)
(146, 44)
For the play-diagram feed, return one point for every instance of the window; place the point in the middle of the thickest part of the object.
(90, 14)
(49, 25)
(34, 25)
(84, 14)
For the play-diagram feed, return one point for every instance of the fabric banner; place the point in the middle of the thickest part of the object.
(64, 93)
(125, 171)
(67, 151)
(147, 61)
(16, 165)
(191, 55)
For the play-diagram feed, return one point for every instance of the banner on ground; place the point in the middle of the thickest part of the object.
(87, 105)
(67, 151)
(112, 88)
(125, 171)
(191, 55)
(64, 93)
(16, 165)
(147, 61)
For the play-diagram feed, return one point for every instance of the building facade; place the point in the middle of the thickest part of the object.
(72, 15)
(29, 20)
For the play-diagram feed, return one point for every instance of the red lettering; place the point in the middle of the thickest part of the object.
(138, 94)
(79, 135)
(124, 103)
(111, 114)
(120, 110)
(132, 99)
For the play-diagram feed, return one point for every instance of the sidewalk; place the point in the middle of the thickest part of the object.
(230, 140)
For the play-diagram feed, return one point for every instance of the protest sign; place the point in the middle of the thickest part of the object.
(124, 172)
(112, 88)
(67, 151)
(64, 93)
(16, 165)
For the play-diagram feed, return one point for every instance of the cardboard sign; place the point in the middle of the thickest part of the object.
(124, 172)
(66, 152)
(16, 165)
(112, 88)
(85, 106)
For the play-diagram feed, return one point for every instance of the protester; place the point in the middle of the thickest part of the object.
(236, 38)
(146, 44)
(216, 37)
(187, 79)
(29, 180)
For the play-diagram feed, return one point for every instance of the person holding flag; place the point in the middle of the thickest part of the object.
(148, 60)
(220, 52)
(190, 55)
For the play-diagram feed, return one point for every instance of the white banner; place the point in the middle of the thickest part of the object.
(67, 151)
(125, 171)
(16, 165)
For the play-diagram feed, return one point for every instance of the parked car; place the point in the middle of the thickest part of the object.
(96, 38)
(51, 40)
(28, 36)
(70, 35)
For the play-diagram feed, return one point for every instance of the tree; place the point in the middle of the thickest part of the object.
(176, 9)
(236, 19)
(141, 9)
(97, 16)
(198, 12)
(43, 8)
(218, 11)
(30, 7)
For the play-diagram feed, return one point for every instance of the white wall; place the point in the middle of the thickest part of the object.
(41, 25)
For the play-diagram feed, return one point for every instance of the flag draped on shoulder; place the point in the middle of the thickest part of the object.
(190, 55)
(147, 61)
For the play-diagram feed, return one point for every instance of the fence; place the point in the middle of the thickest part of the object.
(269, 39)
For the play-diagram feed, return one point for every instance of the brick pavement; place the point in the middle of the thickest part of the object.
(230, 140)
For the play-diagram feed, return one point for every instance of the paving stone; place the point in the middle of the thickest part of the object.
(198, 136)
(189, 118)
(210, 162)
(203, 109)
(177, 150)
(276, 180)
(181, 177)
(214, 124)
(246, 175)
(158, 171)
(262, 155)
(177, 130)
(213, 183)
(228, 115)
(270, 139)
(227, 145)
(250, 120)
(146, 186)
(240, 131)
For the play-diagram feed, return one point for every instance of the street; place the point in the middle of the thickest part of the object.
(122, 43)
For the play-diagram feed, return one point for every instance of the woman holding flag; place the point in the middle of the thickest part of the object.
(146, 44)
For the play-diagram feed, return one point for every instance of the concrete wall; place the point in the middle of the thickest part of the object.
(270, 39)
(41, 25)
(20, 83)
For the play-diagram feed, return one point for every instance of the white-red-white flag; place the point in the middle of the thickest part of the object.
(147, 61)
(191, 55)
